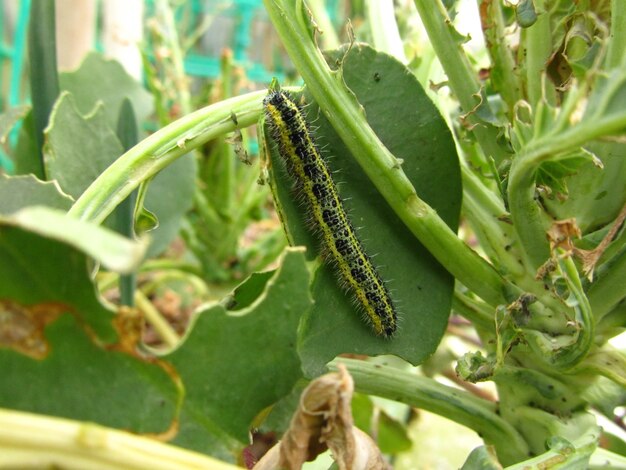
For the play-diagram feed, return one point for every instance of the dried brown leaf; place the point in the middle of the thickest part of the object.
(324, 421)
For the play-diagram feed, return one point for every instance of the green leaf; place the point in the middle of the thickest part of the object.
(77, 377)
(413, 130)
(78, 147)
(247, 292)
(115, 252)
(18, 192)
(235, 364)
(26, 154)
(34, 270)
(101, 80)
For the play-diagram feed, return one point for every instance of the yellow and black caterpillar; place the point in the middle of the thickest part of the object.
(314, 183)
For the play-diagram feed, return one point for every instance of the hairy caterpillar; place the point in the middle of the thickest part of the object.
(314, 182)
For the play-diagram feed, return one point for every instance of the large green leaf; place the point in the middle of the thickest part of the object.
(62, 352)
(236, 363)
(78, 378)
(78, 148)
(17, 192)
(103, 80)
(410, 126)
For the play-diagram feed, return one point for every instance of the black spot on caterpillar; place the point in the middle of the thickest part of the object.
(313, 181)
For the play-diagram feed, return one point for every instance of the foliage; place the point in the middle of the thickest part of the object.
(530, 152)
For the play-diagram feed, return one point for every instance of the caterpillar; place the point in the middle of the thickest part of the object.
(314, 183)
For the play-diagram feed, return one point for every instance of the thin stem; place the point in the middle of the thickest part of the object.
(480, 314)
(154, 318)
(328, 36)
(382, 21)
(151, 155)
(428, 394)
(382, 168)
(181, 81)
(33, 441)
(461, 78)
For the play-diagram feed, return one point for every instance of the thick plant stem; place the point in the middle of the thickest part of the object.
(503, 73)
(461, 78)
(538, 48)
(458, 405)
(615, 54)
(485, 213)
(346, 116)
(34, 441)
(151, 155)
(44, 81)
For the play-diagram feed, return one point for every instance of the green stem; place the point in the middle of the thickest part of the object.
(428, 394)
(575, 353)
(328, 35)
(574, 455)
(503, 73)
(33, 441)
(173, 43)
(44, 80)
(615, 54)
(154, 318)
(485, 213)
(603, 459)
(461, 78)
(226, 183)
(479, 313)
(151, 155)
(168, 263)
(538, 48)
(345, 115)
(382, 21)
(125, 213)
